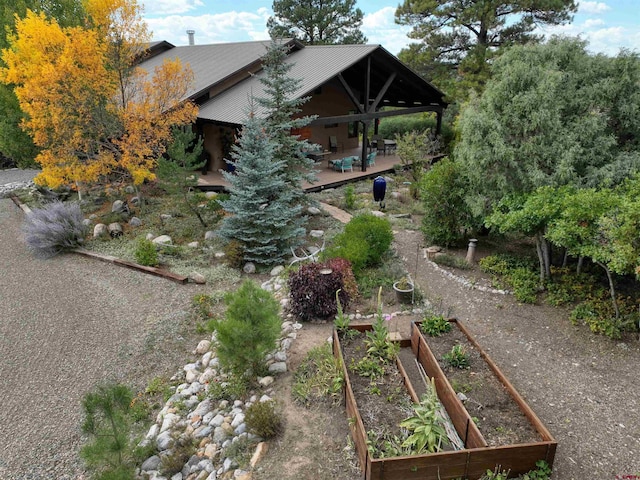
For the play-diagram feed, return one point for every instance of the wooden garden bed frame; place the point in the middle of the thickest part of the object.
(470, 463)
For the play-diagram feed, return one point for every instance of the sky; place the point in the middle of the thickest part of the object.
(607, 25)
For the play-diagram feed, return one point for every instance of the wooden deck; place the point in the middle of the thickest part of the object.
(327, 177)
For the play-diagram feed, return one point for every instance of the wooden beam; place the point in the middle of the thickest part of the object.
(367, 117)
(382, 92)
(350, 93)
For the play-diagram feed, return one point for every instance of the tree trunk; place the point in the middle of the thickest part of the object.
(612, 289)
(542, 248)
(565, 258)
(193, 209)
(580, 262)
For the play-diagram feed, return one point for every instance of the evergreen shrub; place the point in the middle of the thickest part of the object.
(249, 330)
(146, 253)
(54, 228)
(312, 290)
(263, 419)
(366, 238)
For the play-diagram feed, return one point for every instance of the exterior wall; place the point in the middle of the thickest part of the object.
(330, 101)
(217, 143)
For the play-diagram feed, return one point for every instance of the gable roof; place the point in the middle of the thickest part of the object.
(211, 64)
(314, 65)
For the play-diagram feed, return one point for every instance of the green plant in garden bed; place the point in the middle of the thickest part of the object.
(427, 433)
(517, 274)
(318, 377)
(457, 357)
(435, 325)
(377, 339)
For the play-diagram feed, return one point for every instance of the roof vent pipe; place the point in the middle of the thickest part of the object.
(191, 34)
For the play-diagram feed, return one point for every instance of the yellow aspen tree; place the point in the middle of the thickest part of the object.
(89, 107)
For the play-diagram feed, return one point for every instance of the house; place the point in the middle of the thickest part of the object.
(336, 78)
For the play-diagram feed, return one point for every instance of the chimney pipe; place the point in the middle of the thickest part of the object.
(191, 34)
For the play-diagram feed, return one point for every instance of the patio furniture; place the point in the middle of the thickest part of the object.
(378, 142)
(343, 164)
(371, 158)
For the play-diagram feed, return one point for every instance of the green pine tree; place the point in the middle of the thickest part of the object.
(264, 218)
(281, 107)
(177, 171)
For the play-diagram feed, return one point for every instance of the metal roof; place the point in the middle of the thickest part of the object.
(210, 64)
(313, 65)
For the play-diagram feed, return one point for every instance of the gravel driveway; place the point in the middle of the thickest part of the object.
(66, 325)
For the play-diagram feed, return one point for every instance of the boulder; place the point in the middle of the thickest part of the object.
(198, 278)
(162, 240)
(249, 268)
(100, 230)
(135, 222)
(115, 229)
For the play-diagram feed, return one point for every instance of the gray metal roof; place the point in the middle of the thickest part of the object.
(314, 65)
(211, 63)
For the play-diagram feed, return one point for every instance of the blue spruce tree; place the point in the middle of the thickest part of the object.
(280, 107)
(264, 218)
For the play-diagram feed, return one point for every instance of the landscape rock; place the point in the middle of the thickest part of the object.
(275, 271)
(249, 268)
(151, 463)
(203, 347)
(210, 195)
(119, 206)
(316, 233)
(266, 381)
(150, 236)
(314, 211)
(209, 235)
(86, 222)
(164, 441)
(163, 240)
(135, 222)
(135, 200)
(197, 278)
(115, 229)
(100, 230)
(378, 213)
(165, 216)
(278, 367)
(193, 244)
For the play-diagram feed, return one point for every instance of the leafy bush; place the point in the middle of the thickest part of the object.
(262, 419)
(249, 331)
(364, 240)
(515, 273)
(435, 325)
(234, 254)
(54, 228)
(598, 314)
(312, 290)
(427, 433)
(443, 190)
(457, 357)
(146, 253)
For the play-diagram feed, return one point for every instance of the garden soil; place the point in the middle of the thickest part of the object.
(583, 387)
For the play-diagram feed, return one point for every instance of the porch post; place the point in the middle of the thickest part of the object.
(365, 129)
(363, 154)
(438, 121)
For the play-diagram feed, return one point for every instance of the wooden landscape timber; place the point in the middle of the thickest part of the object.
(470, 463)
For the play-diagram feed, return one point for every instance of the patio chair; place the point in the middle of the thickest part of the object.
(343, 164)
(379, 141)
(371, 158)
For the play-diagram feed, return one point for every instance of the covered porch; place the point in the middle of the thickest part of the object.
(327, 176)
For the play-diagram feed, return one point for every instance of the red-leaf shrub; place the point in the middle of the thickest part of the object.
(313, 294)
(343, 267)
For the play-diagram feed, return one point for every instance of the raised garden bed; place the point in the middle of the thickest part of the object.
(477, 457)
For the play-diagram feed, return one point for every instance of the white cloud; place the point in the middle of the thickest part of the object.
(593, 22)
(380, 27)
(593, 7)
(211, 28)
(170, 7)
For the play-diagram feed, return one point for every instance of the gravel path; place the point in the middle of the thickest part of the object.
(66, 325)
(13, 175)
(583, 387)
